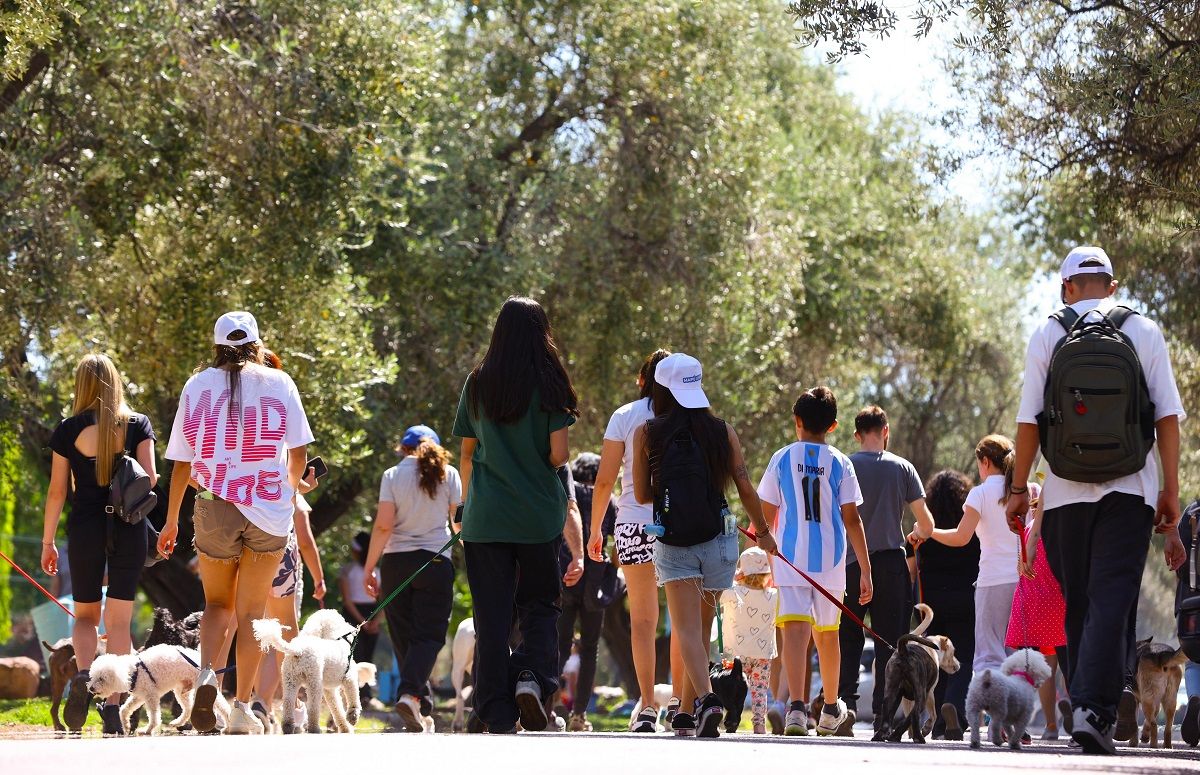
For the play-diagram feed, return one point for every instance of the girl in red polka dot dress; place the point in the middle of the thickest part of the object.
(1038, 618)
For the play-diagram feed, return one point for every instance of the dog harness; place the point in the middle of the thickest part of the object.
(1026, 676)
(137, 671)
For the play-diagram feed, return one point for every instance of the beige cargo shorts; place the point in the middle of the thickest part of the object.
(222, 532)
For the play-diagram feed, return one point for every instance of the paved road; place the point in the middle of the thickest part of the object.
(609, 753)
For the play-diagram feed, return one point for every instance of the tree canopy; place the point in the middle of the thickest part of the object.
(372, 179)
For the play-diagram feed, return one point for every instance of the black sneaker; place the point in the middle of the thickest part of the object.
(672, 709)
(78, 699)
(529, 703)
(1189, 730)
(1126, 727)
(1068, 716)
(646, 721)
(684, 724)
(709, 715)
(110, 717)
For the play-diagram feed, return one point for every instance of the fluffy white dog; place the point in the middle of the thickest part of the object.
(322, 666)
(326, 623)
(146, 677)
(1008, 695)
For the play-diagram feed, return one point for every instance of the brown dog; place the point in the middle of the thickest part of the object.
(61, 665)
(1159, 672)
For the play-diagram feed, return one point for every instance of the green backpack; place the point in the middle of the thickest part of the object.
(1098, 421)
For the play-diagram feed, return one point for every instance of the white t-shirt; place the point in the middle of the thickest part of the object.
(810, 483)
(421, 522)
(354, 581)
(1151, 349)
(999, 547)
(748, 621)
(242, 459)
(621, 427)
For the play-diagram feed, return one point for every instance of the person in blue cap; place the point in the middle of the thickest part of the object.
(417, 498)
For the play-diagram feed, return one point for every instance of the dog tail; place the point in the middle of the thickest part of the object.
(985, 679)
(269, 634)
(926, 617)
(914, 638)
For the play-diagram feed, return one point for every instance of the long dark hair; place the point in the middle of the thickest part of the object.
(646, 372)
(521, 358)
(709, 432)
(945, 495)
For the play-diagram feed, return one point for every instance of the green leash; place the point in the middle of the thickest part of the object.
(454, 538)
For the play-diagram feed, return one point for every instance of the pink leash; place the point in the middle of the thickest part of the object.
(39, 586)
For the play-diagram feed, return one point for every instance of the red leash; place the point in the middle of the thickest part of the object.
(39, 586)
(825, 592)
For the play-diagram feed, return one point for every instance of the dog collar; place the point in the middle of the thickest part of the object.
(1026, 676)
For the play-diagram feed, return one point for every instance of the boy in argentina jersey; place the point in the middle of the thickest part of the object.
(810, 496)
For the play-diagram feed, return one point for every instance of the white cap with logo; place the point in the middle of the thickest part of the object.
(236, 329)
(681, 374)
(1086, 259)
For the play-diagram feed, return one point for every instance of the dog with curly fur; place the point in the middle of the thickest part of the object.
(146, 677)
(322, 666)
(1008, 696)
(168, 630)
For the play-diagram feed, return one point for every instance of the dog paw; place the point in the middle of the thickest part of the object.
(289, 728)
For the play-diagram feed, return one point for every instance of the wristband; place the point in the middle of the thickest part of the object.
(1018, 490)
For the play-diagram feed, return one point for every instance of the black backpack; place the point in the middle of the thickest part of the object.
(1098, 421)
(687, 506)
(131, 499)
(130, 496)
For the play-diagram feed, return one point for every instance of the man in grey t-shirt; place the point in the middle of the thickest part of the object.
(888, 483)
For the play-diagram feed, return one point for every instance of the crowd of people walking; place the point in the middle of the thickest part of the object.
(1004, 564)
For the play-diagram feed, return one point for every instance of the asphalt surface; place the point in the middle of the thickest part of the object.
(532, 754)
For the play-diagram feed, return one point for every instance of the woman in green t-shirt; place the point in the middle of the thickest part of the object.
(513, 416)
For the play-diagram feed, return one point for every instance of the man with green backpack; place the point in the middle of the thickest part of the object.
(1099, 395)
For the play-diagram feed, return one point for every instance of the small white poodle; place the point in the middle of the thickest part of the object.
(328, 624)
(322, 666)
(146, 677)
(1008, 695)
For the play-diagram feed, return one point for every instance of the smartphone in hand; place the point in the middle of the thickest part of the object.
(318, 466)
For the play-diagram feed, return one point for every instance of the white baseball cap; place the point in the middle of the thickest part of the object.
(236, 329)
(1086, 259)
(681, 374)
(754, 561)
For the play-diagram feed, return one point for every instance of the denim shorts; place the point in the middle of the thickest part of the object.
(713, 562)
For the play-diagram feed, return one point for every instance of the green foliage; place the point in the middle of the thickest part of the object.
(10, 474)
(372, 179)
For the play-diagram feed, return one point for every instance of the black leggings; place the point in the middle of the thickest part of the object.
(590, 625)
(954, 617)
(87, 543)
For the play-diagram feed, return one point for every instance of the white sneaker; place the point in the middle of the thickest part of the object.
(204, 715)
(242, 721)
(829, 723)
(795, 723)
(1092, 734)
(409, 708)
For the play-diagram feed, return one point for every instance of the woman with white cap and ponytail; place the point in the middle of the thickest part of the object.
(684, 458)
(417, 498)
(241, 433)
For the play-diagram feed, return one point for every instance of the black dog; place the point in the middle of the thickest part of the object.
(911, 675)
(729, 684)
(166, 630)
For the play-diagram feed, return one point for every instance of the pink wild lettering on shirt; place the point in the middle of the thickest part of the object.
(253, 452)
(241, 490)
(269, 487)
(203, 413)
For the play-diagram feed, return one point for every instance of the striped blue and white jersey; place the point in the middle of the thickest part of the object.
(809, 483)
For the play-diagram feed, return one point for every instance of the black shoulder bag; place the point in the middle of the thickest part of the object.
(131, 498)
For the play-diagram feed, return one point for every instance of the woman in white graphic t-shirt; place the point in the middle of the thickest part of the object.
(240, 432)
(999, 549)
